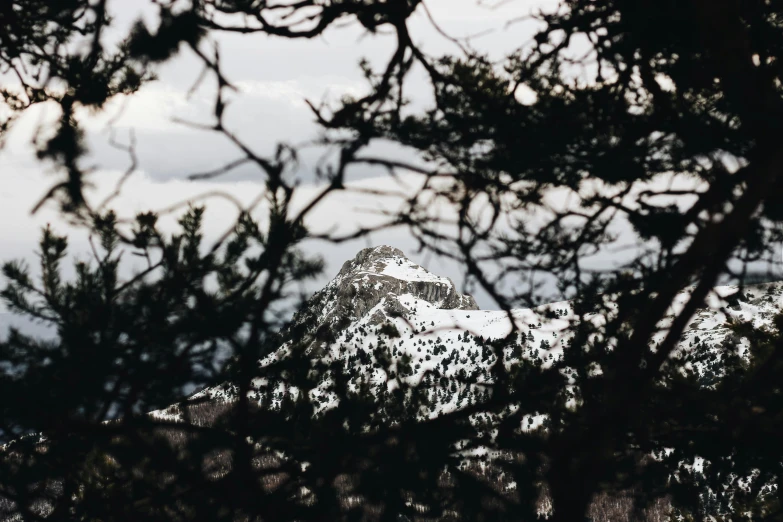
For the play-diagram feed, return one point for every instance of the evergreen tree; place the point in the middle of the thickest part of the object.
(698, 101)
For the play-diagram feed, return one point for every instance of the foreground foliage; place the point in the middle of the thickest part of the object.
(675, 133)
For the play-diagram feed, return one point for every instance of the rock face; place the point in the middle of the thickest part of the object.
(375, 275)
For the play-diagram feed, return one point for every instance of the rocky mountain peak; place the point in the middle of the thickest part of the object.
(383, 272)
(372, 259)
(380, 282)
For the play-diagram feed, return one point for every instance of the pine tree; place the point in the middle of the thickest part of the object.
(698, 102)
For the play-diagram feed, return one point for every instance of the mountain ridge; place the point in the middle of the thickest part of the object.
(390, 323)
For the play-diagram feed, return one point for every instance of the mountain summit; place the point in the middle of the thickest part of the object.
(388, 271)
(382, 276)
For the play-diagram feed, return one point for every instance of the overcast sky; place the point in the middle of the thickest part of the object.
(274, 78)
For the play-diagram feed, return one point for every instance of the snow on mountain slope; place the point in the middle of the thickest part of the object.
(710, 327)
(390, 323)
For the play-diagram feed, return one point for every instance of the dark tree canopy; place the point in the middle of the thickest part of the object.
(660, 115)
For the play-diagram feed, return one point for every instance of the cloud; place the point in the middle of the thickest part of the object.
(274, 77)
(341, 212)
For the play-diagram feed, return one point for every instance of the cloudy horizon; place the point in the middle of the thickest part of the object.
(273, 80)
(270, 96)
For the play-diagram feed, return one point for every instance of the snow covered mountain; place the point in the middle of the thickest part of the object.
(389, 323)
(391, 326)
